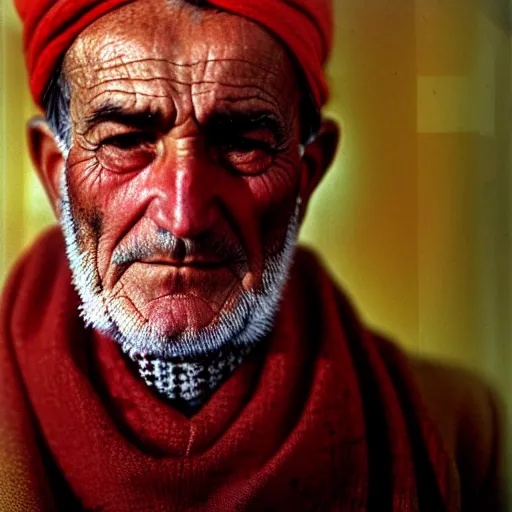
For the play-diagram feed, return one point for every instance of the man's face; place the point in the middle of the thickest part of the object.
(183, 175)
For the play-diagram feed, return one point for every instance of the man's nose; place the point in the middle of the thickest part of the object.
(184, 188)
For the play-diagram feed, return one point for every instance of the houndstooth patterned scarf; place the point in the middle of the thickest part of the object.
(190, 382)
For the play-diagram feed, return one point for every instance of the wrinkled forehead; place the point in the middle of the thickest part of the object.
(166, 49)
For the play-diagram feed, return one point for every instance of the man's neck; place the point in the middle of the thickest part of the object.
(189, 384)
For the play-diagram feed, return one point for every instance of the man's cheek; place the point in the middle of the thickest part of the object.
(122, 211)
(84, 170)
(276, 186)
(87, 173)
(94, 187)
(275, 197)
(101, 210)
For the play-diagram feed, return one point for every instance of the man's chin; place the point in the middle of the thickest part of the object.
(181, 325)
(175, 314)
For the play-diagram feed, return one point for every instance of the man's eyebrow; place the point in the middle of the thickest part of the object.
(230, 122)
(117, 114)
(242, 122)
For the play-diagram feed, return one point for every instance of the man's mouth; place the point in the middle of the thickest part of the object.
(193, 262)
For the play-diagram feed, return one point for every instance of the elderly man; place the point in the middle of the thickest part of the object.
(199, 362)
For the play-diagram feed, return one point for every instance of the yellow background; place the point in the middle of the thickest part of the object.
(414, 217)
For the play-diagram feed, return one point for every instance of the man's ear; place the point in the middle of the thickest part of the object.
(318, 157)
(47, 159)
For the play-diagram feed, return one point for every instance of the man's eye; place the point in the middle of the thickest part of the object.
(127, 152)
(247, 156)
(129, 141)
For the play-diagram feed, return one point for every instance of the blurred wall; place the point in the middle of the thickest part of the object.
(414, 217)
(24, 209)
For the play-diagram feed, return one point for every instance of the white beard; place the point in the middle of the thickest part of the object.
(249, 321)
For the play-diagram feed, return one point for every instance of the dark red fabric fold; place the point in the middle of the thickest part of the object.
(51, 26)
(49, 29)
(325, 417)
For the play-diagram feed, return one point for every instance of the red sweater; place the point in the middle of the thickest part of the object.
(325, 416)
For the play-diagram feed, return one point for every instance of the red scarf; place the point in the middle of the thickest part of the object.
(51, 26)
(325, 417)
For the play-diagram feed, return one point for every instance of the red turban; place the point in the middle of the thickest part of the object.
(50, 26)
